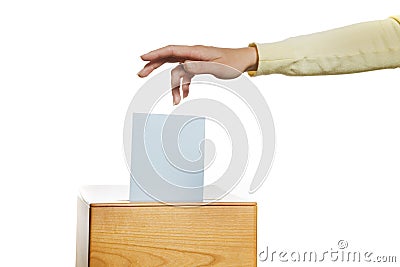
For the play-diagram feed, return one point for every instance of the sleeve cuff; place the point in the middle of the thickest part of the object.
(274, 58)
(396, 18)
(253, 73)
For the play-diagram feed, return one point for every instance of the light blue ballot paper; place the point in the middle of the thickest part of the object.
(167, 158)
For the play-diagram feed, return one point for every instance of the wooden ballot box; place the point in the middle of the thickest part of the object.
(113, 232)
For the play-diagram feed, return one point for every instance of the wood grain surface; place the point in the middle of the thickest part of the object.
(161, 235)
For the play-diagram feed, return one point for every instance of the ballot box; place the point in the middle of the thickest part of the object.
(114, 232)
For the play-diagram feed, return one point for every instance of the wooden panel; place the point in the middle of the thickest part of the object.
(217, 235)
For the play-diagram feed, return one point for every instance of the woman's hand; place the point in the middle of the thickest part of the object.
(195, 60)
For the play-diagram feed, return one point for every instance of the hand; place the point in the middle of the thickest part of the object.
(195, 60)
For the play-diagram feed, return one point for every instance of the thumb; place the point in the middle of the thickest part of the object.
(219, 70)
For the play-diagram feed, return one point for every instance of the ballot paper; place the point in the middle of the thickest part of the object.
(167, 158)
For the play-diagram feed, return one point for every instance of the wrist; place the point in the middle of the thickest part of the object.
(251, 58)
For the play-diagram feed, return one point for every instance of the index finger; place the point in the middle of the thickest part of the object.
(174, 51)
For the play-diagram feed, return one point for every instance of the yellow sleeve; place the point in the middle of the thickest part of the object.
(360, 47)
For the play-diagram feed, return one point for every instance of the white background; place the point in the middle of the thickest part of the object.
(68, 72)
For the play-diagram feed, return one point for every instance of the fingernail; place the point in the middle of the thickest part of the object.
(176, 100)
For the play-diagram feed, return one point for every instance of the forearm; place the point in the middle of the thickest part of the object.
(355, 48)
